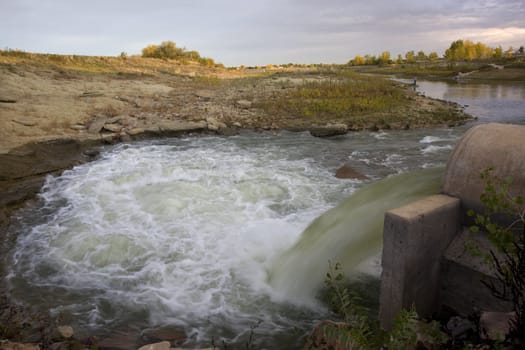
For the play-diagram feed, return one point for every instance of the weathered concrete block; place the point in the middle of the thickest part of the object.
(415, 237)
(462, 272)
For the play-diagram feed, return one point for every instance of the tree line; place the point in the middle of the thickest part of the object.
(459, 50)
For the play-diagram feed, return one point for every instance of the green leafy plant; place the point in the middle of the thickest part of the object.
(509, 240)
(360, 332)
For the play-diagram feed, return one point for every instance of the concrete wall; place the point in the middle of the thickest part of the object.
(462, 273)
(425, 261)
(415, 237)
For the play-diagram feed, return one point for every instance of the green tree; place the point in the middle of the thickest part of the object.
(358, 60)
(370, 59)
(498, 53)
(150, 51)
(399, 59)
(421, 55)
(509, 53)
(384, 58)
(509, 239)
(456, 51)
(410, 57)
(433, 56)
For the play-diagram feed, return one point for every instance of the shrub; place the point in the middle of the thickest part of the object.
(510, 241)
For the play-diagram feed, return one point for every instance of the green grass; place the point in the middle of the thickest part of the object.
(339, 96)
(107, 64)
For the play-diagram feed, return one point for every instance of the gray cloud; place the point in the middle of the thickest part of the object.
(259, 32)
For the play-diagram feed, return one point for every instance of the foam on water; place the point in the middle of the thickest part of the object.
(181, 234)
(432, 139)
(436, 149)
(188, 231)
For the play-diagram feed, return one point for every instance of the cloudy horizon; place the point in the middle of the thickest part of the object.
(237, 32)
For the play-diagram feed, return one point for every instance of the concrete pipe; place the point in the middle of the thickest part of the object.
(501, 146)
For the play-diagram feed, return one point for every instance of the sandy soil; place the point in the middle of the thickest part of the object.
(39, 103)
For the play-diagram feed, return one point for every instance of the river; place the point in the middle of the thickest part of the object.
(187, 231)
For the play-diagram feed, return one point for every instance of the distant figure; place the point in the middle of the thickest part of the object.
(415, 83)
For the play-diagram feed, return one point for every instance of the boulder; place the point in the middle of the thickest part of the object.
(78, 127)
(164, 345)
(346, 172)
(204, 95)
(244, 104)
(120, 340)
(135, 131)
(495, 325)
(7, 345)
(330, 335)
(96, 125)
(214, 124)
(329, 130)
(65, 332)
(459, 327)
(112, 127)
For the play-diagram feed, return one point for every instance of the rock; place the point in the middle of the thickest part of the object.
(228, 131)
(96, 125)
(204, 95)
(7, 345)
(91, 153)
(214, 124)
(329, 335)
(346, 172)
(65, 332)
(170, 127)
(7, 100)
(120, 340)
(79, 127)
(429, 337)
(244, 104)
(329, 130)
(110, 139)
(24, 121)
(125, 137)
(237, 125)
(135, 131)
(459, 327)
(164, 345)
(68, 345)
(495, 325)
(115, 119)
(173, 334)
(112, 127)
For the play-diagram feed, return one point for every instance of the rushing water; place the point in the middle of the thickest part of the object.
(190, 231)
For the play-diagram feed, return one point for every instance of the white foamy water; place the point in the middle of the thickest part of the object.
(436, 149)
(432, 139)
(181, 233)
(187, 231)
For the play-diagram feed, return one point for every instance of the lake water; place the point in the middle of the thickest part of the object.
(185, 231)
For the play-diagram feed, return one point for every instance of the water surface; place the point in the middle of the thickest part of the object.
(186, 231)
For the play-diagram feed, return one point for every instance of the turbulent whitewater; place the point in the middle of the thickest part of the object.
(191, 232)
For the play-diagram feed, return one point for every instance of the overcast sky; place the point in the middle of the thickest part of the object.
(256, 32)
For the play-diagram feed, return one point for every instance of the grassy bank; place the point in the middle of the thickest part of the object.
(360, 101)
(482, 70)
(134, 65)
